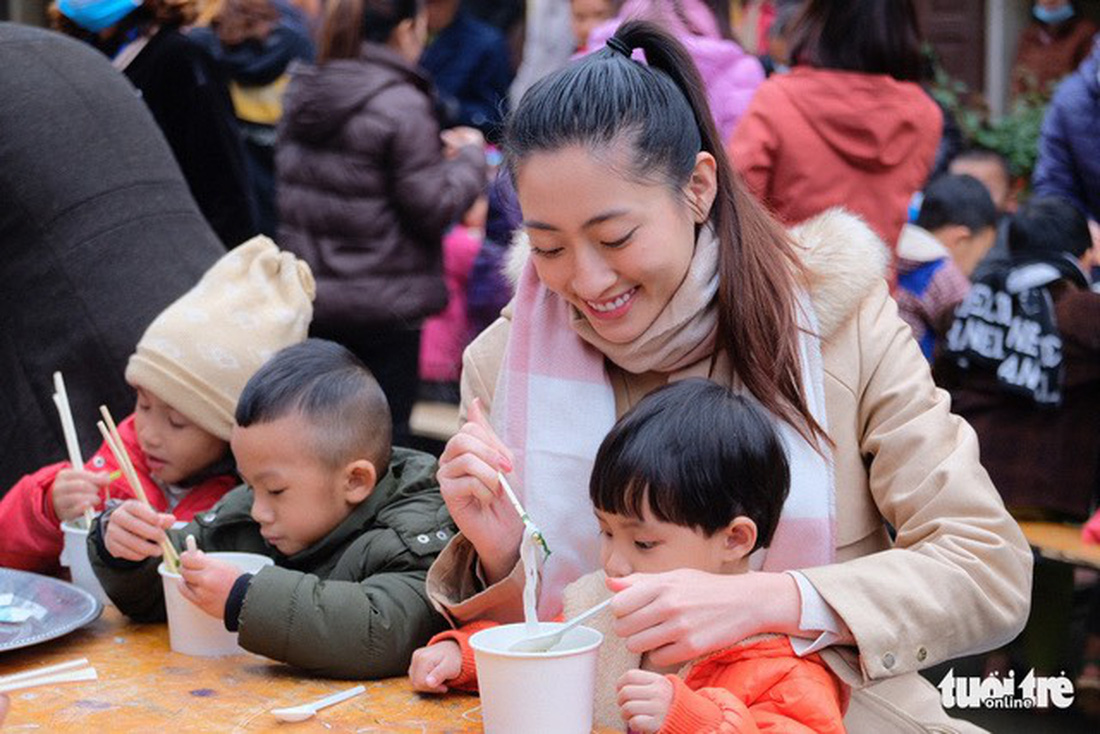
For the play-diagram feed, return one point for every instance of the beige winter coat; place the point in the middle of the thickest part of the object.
(956, 580)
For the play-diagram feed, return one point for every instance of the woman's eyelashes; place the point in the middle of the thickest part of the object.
(540, 252)
(621, 241)
(613, 244)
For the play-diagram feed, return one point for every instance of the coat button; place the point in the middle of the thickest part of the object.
(441, 534)
(423, 539)
(888, 660)
(922, 654)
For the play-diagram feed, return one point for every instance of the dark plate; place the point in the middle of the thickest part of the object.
(67, 608)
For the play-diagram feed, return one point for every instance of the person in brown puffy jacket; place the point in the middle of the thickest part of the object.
(367, 186)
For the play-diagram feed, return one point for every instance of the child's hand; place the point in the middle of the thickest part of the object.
(644, 700)
(207, 581)
(3, 708)
(135, 531)
(434, 665)
(459, 137)
(76, 490)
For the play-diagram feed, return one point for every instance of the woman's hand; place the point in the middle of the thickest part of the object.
(679, 615)
(468, 482)
(76, 490)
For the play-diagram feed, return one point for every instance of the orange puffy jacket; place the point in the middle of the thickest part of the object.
(755, 686)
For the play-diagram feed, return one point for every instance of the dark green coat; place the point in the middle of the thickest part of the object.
(352, 606)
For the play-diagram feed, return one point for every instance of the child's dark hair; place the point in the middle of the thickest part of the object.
(697, 455)
(1048, 226)
(957, 199)
(328, 386)
(657, 115)
(347, 23)
(978, 154)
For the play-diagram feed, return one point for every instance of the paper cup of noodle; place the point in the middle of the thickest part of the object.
(536, 692)
(74, 556)
(192, 631)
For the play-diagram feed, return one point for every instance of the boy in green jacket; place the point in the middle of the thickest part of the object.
(351, 523)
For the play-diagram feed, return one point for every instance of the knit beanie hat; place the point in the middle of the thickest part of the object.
(199, 352)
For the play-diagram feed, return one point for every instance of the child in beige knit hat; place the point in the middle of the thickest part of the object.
(188, 370)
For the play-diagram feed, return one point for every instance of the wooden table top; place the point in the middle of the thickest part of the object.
(1061, 542)
(145, 687)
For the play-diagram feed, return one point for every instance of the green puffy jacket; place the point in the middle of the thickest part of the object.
(352, 606)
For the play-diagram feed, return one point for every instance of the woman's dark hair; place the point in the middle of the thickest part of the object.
(720, 9)
(869, 36)
(348, 23)
(327, 385)
(239, 21)
(1048, 226)
(957, 199)
(697, 455)
(658, 113)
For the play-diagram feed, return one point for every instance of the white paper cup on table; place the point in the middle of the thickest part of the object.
(192, 631)
(536, 692)
(74, 556)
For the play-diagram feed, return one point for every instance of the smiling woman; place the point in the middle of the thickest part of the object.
(621, 266)
(648, 264)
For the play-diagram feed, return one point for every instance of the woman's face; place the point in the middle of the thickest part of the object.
(616, 249)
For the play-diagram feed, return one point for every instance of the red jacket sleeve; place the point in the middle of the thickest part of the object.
(467, 678)
(31, 539)
(792, 696)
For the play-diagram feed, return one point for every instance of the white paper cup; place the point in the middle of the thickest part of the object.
(536, 692)
(74, 556)
(192, 631)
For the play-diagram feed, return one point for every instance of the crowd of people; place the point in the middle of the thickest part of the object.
(602, 228)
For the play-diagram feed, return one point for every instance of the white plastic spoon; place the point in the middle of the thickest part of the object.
(545, 641)
(307, 710)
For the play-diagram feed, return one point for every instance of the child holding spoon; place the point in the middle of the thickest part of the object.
(694, 477)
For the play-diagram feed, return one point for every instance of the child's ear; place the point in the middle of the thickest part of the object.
(360, 476)
(740, 538)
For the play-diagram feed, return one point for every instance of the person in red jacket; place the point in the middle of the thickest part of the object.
(849, 126)
(188, 371)
(693, 477)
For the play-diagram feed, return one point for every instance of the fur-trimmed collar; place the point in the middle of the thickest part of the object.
(843, 257)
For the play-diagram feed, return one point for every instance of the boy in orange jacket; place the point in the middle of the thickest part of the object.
(188, 371)
(692, 477)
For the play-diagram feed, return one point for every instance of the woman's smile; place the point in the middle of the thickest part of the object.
(612, 308)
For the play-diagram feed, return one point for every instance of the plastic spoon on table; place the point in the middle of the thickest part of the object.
(307, 710)
(545, 641)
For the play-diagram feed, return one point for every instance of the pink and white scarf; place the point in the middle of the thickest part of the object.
(554, 403)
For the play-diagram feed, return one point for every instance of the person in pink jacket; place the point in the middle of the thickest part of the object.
(730, 74)
(188, 370)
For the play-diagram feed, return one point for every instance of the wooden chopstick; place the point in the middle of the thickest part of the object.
(68, 428)
(118, 448)
(43, 671)
(70, 676)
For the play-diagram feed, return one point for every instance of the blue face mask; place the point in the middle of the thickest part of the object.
(1053, 17)
(95, 15)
